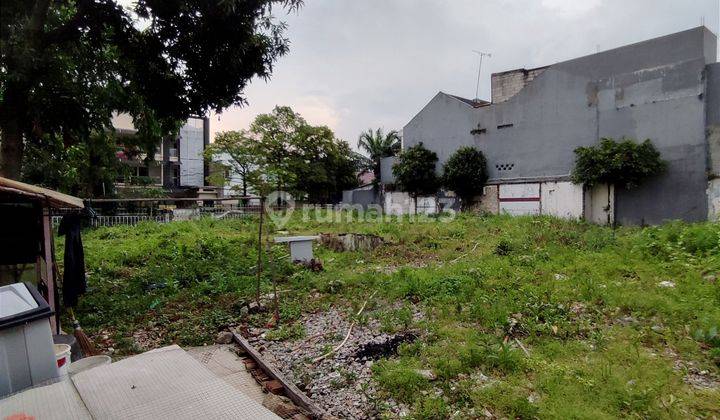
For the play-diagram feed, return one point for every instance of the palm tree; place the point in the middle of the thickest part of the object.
(379, 145)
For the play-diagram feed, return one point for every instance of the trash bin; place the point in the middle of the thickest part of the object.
(27, 357)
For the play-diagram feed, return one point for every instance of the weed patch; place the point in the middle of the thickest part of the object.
(527, 317)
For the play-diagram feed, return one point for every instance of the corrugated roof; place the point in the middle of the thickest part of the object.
(55, 198)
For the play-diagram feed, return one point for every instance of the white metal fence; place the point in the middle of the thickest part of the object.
(182, 214)
(130, 220)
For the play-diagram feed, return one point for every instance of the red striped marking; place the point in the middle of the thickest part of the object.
(504, 200)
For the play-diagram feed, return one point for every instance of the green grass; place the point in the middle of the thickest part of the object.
(603, 338)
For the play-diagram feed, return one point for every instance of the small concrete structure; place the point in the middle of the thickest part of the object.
(300, 247)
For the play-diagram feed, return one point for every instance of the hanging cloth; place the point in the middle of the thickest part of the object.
(74, 282)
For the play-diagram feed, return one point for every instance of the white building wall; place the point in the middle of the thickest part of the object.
(519, 199)
(600, 204)
(191, 154)
(562, 199)
(398, 203)
(559, 199)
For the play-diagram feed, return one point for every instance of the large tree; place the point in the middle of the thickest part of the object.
(324, 165)
(67, 66)
(241, 150)
(275, 134)
(305, 160)
(379, 145)
(87, 169)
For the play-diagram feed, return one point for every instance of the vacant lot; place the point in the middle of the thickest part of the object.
(515, 317)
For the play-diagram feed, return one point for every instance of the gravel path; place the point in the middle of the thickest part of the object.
(341, 384)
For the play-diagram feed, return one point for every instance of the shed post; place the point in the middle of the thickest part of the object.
(49, 269)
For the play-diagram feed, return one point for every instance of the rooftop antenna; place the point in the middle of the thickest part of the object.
(477, 86)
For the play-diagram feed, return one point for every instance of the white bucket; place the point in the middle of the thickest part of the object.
(88, 363)
(62, 358)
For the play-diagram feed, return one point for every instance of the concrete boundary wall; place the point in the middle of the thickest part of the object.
(398, 203)
(562, 199)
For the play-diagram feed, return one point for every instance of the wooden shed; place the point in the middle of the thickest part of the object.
(27, 250)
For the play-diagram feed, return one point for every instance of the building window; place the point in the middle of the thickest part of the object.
(504, 166)
(502, 126)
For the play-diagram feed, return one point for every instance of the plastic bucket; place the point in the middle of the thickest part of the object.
(62, 358)
(88, 363)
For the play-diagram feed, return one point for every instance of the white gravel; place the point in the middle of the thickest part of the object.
(342, 383)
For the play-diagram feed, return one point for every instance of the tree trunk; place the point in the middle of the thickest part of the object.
(11, 148)
(244, 202)
(13, 107)
(376, 171)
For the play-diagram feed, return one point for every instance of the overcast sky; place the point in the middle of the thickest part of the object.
(375, 63)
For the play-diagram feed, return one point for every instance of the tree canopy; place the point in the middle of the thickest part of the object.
(625, 163)
(87, 169)
(68, 66)
(378, 145)
(415, 172)
(305, 160)
(465, 173)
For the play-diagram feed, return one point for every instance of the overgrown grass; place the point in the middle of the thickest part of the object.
(604, 338)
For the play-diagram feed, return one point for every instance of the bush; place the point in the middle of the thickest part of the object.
(623, 163)
(465, 173)
(415, 171)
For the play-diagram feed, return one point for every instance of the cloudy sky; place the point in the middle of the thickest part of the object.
(375, 63)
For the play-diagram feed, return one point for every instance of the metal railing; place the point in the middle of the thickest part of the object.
(132, 219)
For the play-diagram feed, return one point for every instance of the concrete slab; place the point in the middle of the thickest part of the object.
(281, 239)
(222, 360)
(163, 384)
(58, 401)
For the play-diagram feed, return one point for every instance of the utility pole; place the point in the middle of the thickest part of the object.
(477, 86)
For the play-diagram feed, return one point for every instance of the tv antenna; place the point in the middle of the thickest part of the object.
(477, 86)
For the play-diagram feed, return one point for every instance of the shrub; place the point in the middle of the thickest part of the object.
(623, 163)
(465, 173)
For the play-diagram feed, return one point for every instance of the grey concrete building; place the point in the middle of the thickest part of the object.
(179, 160)
(666, 89)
